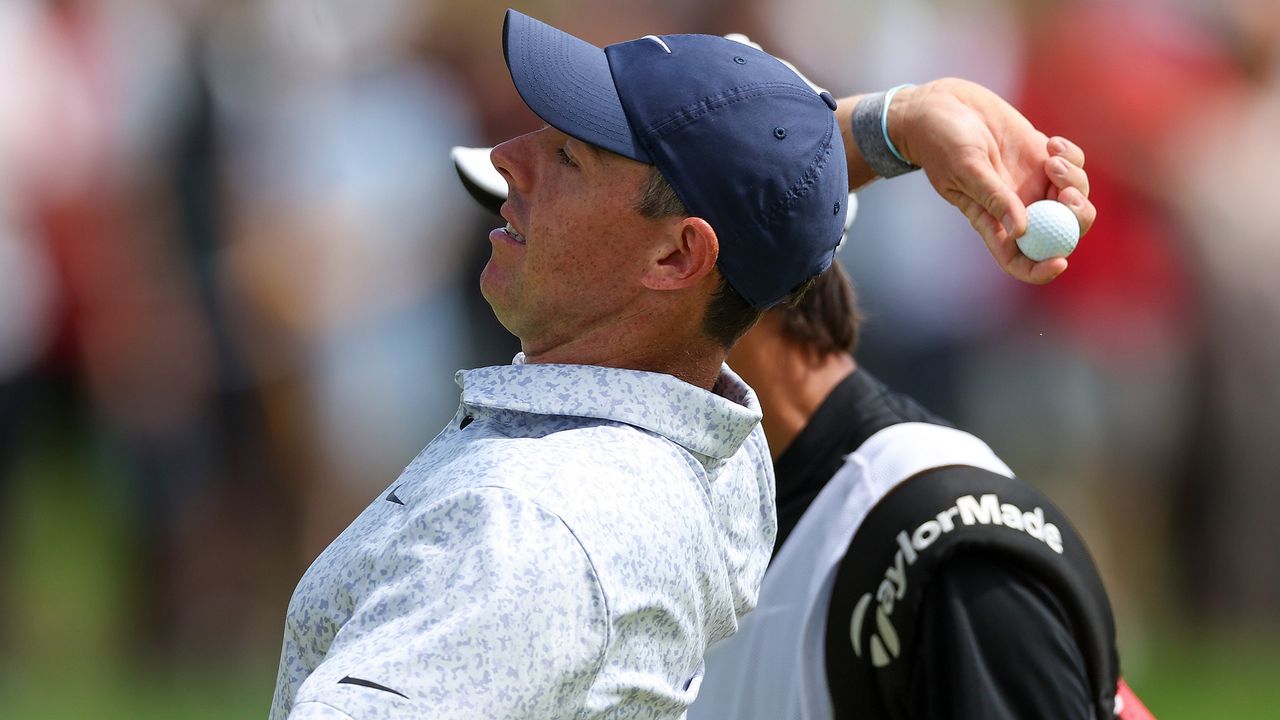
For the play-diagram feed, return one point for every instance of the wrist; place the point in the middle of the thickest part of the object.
(876, 139)
(898, 115)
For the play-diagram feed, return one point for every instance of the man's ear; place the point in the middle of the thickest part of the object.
(686, 256)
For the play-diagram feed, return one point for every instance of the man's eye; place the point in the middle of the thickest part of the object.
(565, 159)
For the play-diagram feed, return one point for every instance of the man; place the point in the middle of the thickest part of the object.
(602, 511)
(998, 619)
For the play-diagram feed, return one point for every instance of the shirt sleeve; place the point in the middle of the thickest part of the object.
(995, 643)
(489, 608)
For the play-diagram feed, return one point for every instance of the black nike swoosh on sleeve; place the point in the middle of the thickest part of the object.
(348, 680)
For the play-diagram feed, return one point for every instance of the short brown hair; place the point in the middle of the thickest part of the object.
(826, 318)
(728, 315)
(658, 199)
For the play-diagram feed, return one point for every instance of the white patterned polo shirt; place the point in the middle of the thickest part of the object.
(567, 547)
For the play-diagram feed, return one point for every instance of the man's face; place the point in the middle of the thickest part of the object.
(579, 245)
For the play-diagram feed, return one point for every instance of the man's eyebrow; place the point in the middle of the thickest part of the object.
(592, 149)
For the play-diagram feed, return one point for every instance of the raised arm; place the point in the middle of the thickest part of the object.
(983, 157)
(979, 153)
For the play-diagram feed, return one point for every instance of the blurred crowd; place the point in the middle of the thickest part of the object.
(237, 272)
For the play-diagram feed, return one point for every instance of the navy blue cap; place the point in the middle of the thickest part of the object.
(746, 144)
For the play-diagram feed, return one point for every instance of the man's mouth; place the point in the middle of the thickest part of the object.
(514, 235)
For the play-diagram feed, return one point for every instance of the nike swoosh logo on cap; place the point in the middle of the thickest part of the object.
(658, 40)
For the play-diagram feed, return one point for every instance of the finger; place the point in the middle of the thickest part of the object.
(980, 183)
(993, 234)
(1027, 270)
(998, 242)
(1064, 148)
(1005, 250)
(1063, 175)
(1080, 205)
(1046, 271)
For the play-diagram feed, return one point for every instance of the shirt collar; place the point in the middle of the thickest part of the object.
(712, 424)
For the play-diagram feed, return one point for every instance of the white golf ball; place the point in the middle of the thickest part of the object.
(1052, 231)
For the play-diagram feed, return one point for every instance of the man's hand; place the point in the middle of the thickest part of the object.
(986, 159)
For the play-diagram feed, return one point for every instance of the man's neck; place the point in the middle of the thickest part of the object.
(677, 349)
(797, 385)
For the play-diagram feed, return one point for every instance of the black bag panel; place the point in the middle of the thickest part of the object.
(880, 585)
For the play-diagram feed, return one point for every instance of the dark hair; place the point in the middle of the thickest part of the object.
(728, 315)
(826, 318)
(658, 199)
(821, 313)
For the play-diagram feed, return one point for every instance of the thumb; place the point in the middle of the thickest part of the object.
(996, 212)
(1001, 203)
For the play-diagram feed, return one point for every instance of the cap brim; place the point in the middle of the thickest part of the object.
(567, 82)
(850, 214)
(481, 179)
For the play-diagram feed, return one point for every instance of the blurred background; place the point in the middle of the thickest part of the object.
(237, 273)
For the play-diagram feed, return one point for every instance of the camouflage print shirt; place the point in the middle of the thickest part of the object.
(567, 547)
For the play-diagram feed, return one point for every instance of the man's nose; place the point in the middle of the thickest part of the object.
(511, 159)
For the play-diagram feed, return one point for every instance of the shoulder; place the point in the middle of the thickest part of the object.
(996, 640)
(625, 496)
(534, 456)
(921, 538)
(905, 450)
(500, 533)
(603, 475)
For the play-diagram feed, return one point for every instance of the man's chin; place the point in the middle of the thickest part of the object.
(491, 281)
(496, 293)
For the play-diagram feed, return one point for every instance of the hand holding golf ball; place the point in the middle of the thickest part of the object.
(1052, 231)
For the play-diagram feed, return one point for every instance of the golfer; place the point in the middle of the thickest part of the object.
(988, 620)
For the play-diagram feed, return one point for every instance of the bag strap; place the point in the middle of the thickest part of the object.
(875, 607)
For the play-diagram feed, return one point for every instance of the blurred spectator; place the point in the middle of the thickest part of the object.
(27, 281)
(237, 274)
(83, 137)
(1221, 165)
(1179, 142)
(346, 250)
